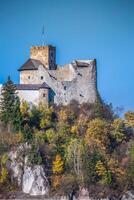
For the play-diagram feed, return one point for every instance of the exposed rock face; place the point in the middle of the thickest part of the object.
(83, 195)
(128, 196)
(31, 179)
(15, 164)
(34, 181)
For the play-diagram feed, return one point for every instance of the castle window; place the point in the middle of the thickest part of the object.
(65, 87)
(44, 94)
(41, 77)
(28, 77)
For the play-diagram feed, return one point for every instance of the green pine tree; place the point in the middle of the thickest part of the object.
(17, 116)
(9, 105)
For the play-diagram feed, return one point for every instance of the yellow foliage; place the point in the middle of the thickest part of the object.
(39, 136)
(24, 108)
(62, 115)
(4, 159)
(100, 168)
(74, 129)
(98, 133)
(58, 164)
(51, 135)
(4, 175)
(129, 118)
(118, 171)
(118, 130)
(18, 137)
(103, 173)
(47, 116)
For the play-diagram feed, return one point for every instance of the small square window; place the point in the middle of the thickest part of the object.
(44, 94)
(28, 77)
(41, 77)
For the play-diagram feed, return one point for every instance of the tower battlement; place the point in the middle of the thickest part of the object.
(45, 54)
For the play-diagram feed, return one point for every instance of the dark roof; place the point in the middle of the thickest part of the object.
(31, 86)
(30, 64)
(82, 64)
(44, 85)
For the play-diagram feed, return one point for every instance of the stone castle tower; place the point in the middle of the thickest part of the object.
(45, 54)
(41, 80)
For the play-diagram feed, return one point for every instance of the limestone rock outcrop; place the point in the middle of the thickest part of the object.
(15, 164)
(128, 196)
(34, 181)
(30, 178)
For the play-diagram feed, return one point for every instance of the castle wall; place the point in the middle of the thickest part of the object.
(44, 96)
(32, 76)
(81, 87)
(65, 73)
(31, 96)
(29, 77)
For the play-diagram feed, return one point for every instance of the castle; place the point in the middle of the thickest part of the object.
(42, 80)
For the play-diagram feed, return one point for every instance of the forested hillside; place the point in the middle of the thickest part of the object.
(81, 146)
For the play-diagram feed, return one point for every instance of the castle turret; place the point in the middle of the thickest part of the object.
(45, 54)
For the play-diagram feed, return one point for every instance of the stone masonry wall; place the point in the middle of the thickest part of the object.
(46, 54)
(81, 85)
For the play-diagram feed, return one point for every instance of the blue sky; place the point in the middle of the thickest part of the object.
(80, 29)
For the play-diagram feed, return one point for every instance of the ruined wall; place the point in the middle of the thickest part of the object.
(81, 86)
(64, 73)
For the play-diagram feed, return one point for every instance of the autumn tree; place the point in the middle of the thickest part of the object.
(98, 133)
(58, 164)
(103, 173)
(57, 169)
(119, 131)
(129, 118)
(47, 116)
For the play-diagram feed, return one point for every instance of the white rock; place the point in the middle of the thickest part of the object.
(15, 164)
(128, 196)
(34, 181)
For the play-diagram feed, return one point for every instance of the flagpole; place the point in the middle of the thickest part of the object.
(43, 36)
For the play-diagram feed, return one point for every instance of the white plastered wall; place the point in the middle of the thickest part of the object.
(31, 96)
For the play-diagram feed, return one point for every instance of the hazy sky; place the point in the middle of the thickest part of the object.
(80, 29)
